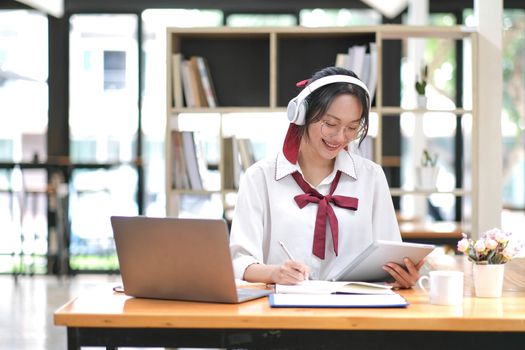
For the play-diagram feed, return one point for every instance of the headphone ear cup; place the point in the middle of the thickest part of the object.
(301, 112)
(292, 110)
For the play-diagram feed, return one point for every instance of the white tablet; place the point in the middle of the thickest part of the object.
(368, 266)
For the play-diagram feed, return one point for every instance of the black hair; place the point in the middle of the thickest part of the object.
(320, 100)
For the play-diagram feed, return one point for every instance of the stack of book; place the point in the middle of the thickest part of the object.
(363, 62)
(190, 168)
(188, 161)
(192, 82)
(238, 156)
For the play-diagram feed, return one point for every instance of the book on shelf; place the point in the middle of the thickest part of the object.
(193, 92)
(196, 83)
(176, 84)
(365, 70)
(362, 62)
(192, 164)
(341, 60)
(246, 153)
(208, 182)
(232, 168)
(356, 57)
(187, 84)
(179, 173)
(187, 166)
(206, 81)
(372, 77)
(334, 287)
(192, 81)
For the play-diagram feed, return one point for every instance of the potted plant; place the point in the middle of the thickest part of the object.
(427, 172)
(488, 254)
(421, 87)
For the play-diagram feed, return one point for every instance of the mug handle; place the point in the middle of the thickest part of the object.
(420, 283)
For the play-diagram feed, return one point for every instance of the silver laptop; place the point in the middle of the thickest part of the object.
(182, 259)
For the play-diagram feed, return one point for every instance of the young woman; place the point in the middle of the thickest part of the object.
(325, 204)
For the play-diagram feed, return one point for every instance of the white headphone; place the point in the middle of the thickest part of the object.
(297, 106)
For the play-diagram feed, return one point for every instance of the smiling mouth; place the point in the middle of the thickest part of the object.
(330, 145)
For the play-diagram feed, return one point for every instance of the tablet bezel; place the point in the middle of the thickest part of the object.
(368, 265)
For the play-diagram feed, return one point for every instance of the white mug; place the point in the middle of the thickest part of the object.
(446, 287)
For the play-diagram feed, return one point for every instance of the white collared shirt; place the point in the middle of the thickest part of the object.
(267, 213)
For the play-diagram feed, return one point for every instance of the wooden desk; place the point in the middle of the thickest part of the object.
(109, 319)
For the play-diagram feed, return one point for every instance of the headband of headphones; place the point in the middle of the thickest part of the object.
(297, 106)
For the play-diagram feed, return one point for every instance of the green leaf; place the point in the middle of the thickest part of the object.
(491, 255)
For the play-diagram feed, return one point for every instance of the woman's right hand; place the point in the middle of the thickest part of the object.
(291, 272)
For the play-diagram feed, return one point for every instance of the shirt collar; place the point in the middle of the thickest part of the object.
(343, 162)
(283, 167)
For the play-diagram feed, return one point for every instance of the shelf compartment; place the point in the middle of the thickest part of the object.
(239, 64)
(298, 56)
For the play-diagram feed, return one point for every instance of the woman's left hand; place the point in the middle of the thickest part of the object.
(404, 277)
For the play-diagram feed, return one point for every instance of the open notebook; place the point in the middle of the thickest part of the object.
(183, 259)
(331, 294)
(338, 287)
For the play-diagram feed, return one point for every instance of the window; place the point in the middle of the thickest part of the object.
(154, 94)
(24, 120)
(23, 75)
(338, 17)
(103, 119)
(260, 20)
(103, 87)
(513, 119)
(435, 132)
(114, 70)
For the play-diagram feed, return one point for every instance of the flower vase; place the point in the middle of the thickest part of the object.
(488, 280)
(421, 101)
(426, 177)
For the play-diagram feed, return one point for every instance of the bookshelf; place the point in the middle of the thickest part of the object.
(255, 70)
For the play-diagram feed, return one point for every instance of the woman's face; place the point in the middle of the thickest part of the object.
(336, 128)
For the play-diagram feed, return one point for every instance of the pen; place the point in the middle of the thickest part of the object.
(286, 251)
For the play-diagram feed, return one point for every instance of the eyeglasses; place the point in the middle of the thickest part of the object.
(330, 130)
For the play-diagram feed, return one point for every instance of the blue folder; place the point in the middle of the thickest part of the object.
(337, 301)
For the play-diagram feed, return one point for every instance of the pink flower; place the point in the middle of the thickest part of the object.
(508, 253)
(479, 246)
(494, 246)
(463, 245)
(502, 237)
(490, 243)
(492, 233)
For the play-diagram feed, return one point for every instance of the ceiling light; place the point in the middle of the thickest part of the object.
(53, 7)
(390, 8)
